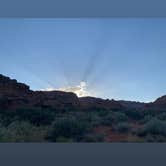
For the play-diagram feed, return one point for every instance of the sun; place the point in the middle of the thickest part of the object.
(80, 90)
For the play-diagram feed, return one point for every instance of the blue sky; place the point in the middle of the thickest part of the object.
(118, 58)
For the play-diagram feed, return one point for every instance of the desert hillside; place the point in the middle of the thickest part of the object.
(57, 116)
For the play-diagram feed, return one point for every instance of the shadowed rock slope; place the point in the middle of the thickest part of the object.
(14, 95)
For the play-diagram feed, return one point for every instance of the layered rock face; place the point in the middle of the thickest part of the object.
(54, 99)
(11, 88)
(15, 95)
(12, 93)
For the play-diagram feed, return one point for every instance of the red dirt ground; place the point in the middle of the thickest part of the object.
(111, 136)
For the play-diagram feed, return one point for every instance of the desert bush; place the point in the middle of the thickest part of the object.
(68, 128)
(21, 131)
(112, 117)
(108, 120)
(95, 121)
(154, 112)
(154, 127)
(146, 119)
(155, 138)
(63, 139)
(134, 114)
(103, 113)
(91, 118)
(119, 117)
(93, 137)
(122, 127)
(7, 117)
(35, 116)
(162, 116)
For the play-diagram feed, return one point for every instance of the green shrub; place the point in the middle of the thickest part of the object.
(103, 113)
(7, 117)
(113, 117)
(162, 116)
(119, 117)
(154, 127)
(122, 127)
(155, 138)
(134, 114)
(68, 128)
(154, 112)
(63, 139)
(95, 121)
(91, 118)
(93, 137)
(35, 116)
(146, 119)
(108, 120)
(20, 131)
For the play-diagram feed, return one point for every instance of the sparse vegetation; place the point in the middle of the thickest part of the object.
(47, 125)
(93, 137)
(21, 131)
(122, 127)
(70, 128)
(153, 127)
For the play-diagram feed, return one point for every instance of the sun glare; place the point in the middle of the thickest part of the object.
(80, 90)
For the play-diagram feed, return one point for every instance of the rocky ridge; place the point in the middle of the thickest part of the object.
(14, 95)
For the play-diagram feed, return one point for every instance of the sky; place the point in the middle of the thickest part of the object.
(118, 58)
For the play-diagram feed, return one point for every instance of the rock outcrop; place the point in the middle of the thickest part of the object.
(132, 104)
(158, 104)
(15, 95)
(54, 99)
(97, 103)
(11, 88)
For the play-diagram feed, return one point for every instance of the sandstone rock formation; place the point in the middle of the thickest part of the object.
(15, 95)
(11, 88)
